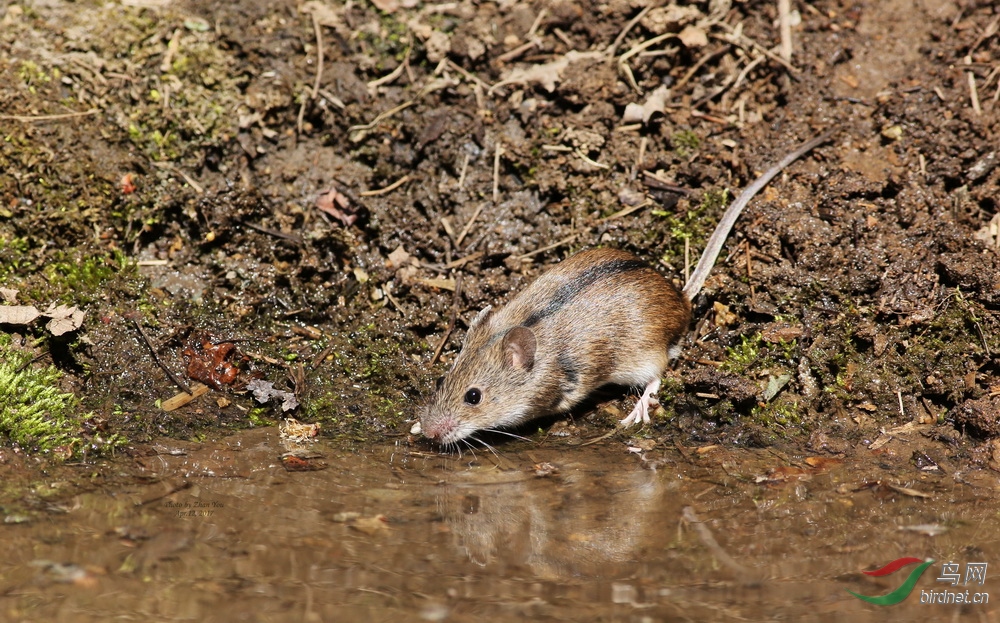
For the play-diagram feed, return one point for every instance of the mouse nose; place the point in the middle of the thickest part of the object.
(437, 429)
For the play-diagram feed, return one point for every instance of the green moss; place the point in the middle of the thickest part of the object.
(32, 74)
(13, 257)
(753, 357)
(776, 414)
(259, 416)
(83, 279)
(691, 224)
(714, 201)
(685, 142)
(745, 354)
(391, 43)
(35, 414)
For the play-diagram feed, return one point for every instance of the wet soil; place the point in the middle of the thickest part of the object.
(293, 193)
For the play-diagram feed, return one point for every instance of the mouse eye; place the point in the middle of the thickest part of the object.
(473, 396)
(439, 382)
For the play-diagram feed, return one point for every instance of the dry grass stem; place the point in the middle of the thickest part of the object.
(397, 72)
(496, 172)
(566, 240)
(35, 118)
(387, 189)
(785, 27)
(468, 226)
(973, 92)
(629, 26)
(187, 178)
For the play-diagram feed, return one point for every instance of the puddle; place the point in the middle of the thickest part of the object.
(221, 531)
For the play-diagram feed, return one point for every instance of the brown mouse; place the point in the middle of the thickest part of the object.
(600, 317)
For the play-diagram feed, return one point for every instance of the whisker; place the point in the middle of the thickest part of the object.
(486, 445)
(471, 449)
(503, 432)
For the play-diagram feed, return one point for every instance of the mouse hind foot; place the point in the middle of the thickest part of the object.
(641, 411)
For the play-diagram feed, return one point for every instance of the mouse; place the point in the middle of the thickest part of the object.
(601, 317)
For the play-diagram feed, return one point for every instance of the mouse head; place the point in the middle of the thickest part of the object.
(486, 387)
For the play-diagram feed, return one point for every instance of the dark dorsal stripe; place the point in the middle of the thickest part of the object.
(568, 369)
(566, 292)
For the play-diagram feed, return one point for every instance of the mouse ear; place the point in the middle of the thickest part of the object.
(519, 348)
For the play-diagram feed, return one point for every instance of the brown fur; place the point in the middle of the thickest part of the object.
(599, 317)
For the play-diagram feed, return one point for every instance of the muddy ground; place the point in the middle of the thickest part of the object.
(311, 194)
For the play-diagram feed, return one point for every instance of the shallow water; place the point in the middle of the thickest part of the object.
(551, 531)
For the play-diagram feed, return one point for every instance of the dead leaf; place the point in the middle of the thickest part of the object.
(337, 205)
(723, 315)
(822, 462)
(389, 6)
(264, 391)
(398, 258)
(63, 319)
(655, 103)
(294, 430)
(9, 295)
(325, 14)
(18, 314)
(548, 74)
(990, 232)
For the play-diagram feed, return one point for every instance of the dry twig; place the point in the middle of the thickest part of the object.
(177, 381)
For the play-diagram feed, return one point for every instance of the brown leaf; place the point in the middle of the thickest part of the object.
(18, 314)
(822, 462)
(389, 6)
(63, 319)
(655, 103)
(9, 295)
(337, 205)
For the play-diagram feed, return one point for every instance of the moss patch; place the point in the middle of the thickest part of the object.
(38, 416)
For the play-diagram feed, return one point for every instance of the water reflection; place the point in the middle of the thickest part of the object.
(543, 531)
